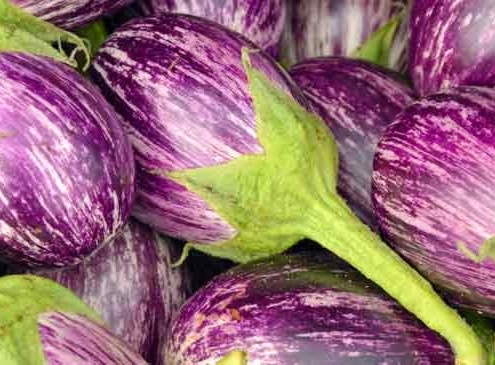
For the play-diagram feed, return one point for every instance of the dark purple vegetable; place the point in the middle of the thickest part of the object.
(215, 59)
(452, 43)
(300, 310)
(433, 191)
(44, 323)
(132, 285)
(231, 161)
(73, 339)
(357, 100)
(262, 21)
(70, 14)
(66, 167)
(337, 28)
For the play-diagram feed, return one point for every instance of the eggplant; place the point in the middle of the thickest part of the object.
(70, 14)
(357, 100)
(300, 309)
(451, 44)
(67, 168)
(44, 323)
(231, 159)
(433, 192)
(132, 285)
(319, 28)
(261, 21)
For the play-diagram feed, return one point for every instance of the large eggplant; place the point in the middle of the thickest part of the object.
(433, 191)
(132, 285)
(230, 160)
(43, 323)
(70, 13)
(262, 21)
(67, 168)
(300, 310)
(452, 43)
(209, 84)
(357, 100)
(318, 28)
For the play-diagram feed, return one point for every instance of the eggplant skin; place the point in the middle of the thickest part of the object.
(452, 43)
(433, 190)
(173, 78)
(70, 14)
(357, 100)
(68, 338)
(132, 285)
(261, 21)
(316, 28)
(67, 168)
(299, 310)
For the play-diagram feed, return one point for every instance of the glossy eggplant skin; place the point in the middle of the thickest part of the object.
(132, 285)
(357, 100)
(261, 21)
(299, 310)
(452, 43)
(70, 14)
(433, 191)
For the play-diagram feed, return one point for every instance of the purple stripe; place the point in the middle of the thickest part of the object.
(433, 189)
(357, 100)
(73, 339)
(67, 169)
(181, 87)
(300, 311)
(72, 13)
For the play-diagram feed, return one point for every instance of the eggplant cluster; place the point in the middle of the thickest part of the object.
(260, 182)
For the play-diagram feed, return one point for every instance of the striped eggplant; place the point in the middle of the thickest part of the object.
(43, 323)
(262, 21)
(452, 43)
(298, 310)
(228, 159)
(67, 169)
(433, 191)
(357, 100)
(338, 27)
(70, 14)
(131, 283)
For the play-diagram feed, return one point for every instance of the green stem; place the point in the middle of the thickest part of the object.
(235, 357)
(336, 228)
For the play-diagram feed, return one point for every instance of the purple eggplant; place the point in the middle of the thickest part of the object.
(262, 21)
(44, 323)
(132, 285)
(433, 191)
(67, 169)
(158, 63)
(300, 310)
(357, 100)
(229, 159)
(337, 28)
(70, 14)
(452, 43)
(73, 339)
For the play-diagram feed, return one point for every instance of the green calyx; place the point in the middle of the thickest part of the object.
(269, 186)
(23, 32)
(288, 192)
(235, 357)
(485, 252)
(22, 299)
(377, 47)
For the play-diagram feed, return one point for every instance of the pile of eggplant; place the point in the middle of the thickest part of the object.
(247, 182)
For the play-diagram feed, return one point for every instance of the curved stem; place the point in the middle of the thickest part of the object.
(335, 227)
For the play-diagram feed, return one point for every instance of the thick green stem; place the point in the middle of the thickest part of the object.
(335, 227)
